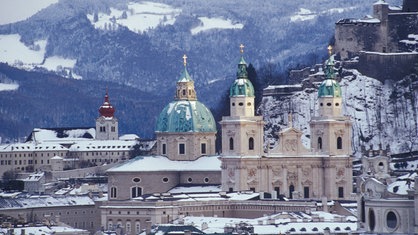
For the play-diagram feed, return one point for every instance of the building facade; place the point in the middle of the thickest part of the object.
(289, 169)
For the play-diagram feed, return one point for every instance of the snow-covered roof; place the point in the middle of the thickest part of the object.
(62, 134)
(34, 177)
(129, 137)
(103, 145)
(45, 230)
(161, 163)
(292, 222)
(196, 189)
(45, 201)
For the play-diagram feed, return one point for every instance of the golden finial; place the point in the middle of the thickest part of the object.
(329, 50)
(241, 48)
(185, 60)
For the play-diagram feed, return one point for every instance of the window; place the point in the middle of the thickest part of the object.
(136, 180)
(231, 144)
(277, 190)
(372, 220)
(249, 104)
(137, 226)
(182, 148)
(230, 190)
(128, 227)
(291, 189)
(340, 192)
(206, 180)
(252, 189)
(164, 149)
(319, 143)
(165, 180)
(241, 104)
(251, 143)
(102, 129)
(110, 225)
(203, 148)
(184, 92)
(136, 192)
(339, 143)
(306, 192)
(391, 220)
(113, 129)
(189, 180)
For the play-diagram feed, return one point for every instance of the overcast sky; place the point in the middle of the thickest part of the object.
(16, 10)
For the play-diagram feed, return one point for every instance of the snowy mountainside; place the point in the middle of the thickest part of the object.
(382, 113)
(140, 44)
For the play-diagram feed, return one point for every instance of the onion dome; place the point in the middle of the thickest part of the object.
(329, 87)
(186, 113)
(106, 110)
(242, 86)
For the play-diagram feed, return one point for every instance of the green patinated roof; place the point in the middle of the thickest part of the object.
(185, 77)
(186, 116)
(329, 88)
(242, 85)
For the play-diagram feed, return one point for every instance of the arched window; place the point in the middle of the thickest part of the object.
(113, 192)
(291, 189)
(136, 192)
(137, 226)
(391, 220)
(339, 143)
(231, 143)
(319, 143)
(251, 143)
(128, 226)
(372, 220)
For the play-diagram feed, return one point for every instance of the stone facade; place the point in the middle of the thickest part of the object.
(289, 169)
(381, 33)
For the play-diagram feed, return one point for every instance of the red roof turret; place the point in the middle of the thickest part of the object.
(106, 110)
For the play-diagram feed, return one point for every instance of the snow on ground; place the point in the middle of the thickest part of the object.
(12, 50)
(302, 15)
(140, 17)
(53, 63)
(305, 14)
(16, 10)
(215, 23)
(17, 54)
(8, 87)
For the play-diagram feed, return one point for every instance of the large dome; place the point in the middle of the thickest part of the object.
(329, 88)
(186, 116)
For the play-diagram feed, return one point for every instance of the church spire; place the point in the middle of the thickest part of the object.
(185, 85)
(106, 109)
(329, 65)
(242, 65)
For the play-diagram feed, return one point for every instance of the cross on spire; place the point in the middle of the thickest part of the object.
(241, 48)
(184, 60)
(330, 50)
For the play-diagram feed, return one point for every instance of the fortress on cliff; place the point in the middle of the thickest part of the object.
(388, 40)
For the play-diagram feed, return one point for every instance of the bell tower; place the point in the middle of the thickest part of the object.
(242, 131)
(330, 130)
(106, 124)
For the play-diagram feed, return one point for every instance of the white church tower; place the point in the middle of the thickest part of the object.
(106, 124)
(242, 131)
(330, 130)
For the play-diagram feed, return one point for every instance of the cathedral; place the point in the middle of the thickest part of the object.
(289, 169)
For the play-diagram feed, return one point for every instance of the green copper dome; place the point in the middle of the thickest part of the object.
(242, 85)
(329, 88)
(186, 116)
